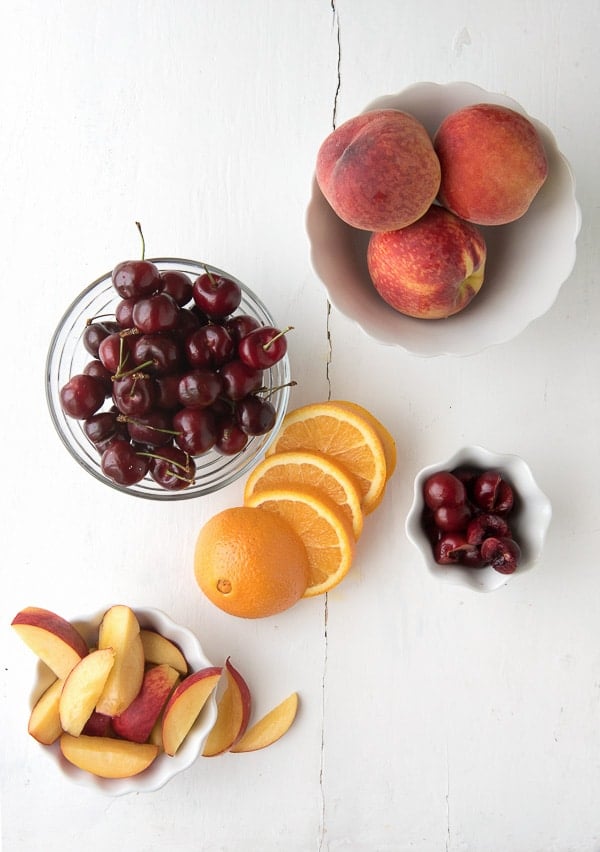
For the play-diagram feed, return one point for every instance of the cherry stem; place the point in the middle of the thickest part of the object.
(139, 227)
(135, 372)
(91, 320)
(270, 391)
(277, 336)
(176, 464)
(125, 418)
(211, 277)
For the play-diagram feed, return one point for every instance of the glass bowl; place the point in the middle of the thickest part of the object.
(67, 356)
(529, 522)
(164, 767)
(527, 260)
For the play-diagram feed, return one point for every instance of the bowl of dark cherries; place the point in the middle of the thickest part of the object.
(167, 378)
(478, 518)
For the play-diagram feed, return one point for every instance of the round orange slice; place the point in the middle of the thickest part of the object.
(387, 440)
(299, 468)
(318, 521)
(337, 431)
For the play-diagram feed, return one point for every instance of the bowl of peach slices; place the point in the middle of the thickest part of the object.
(125, 699)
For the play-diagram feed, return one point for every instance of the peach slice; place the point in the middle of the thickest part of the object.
(270, 728)
(233, 714)
(54, 639)
(185, 704)
(137, 721)
(44, 721)
(158, 649)
(120, 630)
(82, 688)
(107, 757)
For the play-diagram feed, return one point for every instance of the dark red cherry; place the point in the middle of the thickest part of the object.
(443, 489)
(115, 353)
(255, 416)
(162, 350)
(136, 278)
(121, 463)
(209, 346)
(134, 395)
(82, 396)
(263, 347)
(199, 388)
(177, 285)
(94, 334)
(103, 427)
(501, 553)
(239, 379)
(216, 295)
(97, 369)
(172, 468)
(240, 325)
(196, 430)
(153, 429)
(124, 312)
(231, 438)
(156, 313)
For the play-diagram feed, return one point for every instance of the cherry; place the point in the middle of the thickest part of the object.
(95, 332)
(167, 391)
(153, 429)
(492, 493)
(124, 313)
(97, 369)
(82, 396)
(240, 325)
(216, 295)
(102, 427)
(121, 463)
(189, 321)
(263, 347)
(240, 380)
(501, 553)
(199, 388)
(196, 430)
(452, 518)
(115, 353)
(255, 415)
(134, 394)
(485, 525)
(136, 278)
(162, 350)
(209, 346)
(172, 468)
(231, 439)
(449, 549)
(177, 285)
(443, 489)
(156, 313)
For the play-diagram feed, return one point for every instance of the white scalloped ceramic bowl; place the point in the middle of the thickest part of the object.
(528, 260)
(164, 768)
(529, 524)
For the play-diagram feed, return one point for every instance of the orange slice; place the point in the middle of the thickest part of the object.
(339, 432)
(319, 522)
(298, 468)
(386, 438)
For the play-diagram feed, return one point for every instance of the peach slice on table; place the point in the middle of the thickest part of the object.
(270, 728)
(185, 704)
(82, 689)
(54, 639)
(107, 757)
(233, 713)
(158, 650)
(44, 721)
(120, 630)
(137, 721)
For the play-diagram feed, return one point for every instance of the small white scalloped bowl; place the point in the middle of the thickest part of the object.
(529, 524)
(527, 261)
(164, 767)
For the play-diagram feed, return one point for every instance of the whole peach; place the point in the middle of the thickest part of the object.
(378, 171)
(493, 163)
(430, 269)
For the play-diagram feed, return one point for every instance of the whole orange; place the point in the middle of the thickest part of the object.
(250, 562)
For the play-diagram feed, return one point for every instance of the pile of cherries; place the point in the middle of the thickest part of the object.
(176, 373)
(466, 516)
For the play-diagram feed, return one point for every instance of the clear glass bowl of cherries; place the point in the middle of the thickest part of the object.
(167, 378)
(478, 518)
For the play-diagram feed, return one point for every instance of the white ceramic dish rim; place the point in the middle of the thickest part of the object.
(530, 526)
(554, 219)
(164, 768)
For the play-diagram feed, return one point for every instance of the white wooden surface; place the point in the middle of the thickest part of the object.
(433, 719)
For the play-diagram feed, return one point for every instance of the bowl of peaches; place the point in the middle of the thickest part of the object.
(442, 202)
(167, 378)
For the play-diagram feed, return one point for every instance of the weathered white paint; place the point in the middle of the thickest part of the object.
(432, 719)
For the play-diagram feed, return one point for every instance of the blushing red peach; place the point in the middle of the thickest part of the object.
(378, 170)
(493, 163)
(430, 270)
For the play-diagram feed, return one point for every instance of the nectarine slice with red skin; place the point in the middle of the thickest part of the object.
(82, 688)
(233, 714)
(158, 649)
(136, 722)
(51, 637)
(107, 757)
(120, 630)
(270, 728)
(185, 704)
(44, 721)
